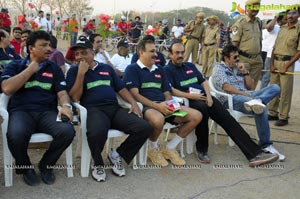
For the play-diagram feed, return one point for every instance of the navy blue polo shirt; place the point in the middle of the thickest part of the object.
(99, 85)
(39, 93)
(151, 84)
(8, 54)
(135, 33)
(160, 60)
(185, 76)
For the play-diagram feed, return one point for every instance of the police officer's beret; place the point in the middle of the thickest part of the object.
(251, 2)
(200, 14)
(214, 17)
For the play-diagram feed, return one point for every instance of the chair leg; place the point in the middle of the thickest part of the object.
(85, 159)
(167, 135)
(78, 145)
(190, 141)
(143, 154)
(230, 142)
(181, 149)
(216, 132)
(69, 161)
(8, 170)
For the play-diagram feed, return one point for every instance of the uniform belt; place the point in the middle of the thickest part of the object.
(209, 44)
(282, 57)
(192, 37)
(247, 55)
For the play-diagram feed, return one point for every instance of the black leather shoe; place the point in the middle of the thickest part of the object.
(48, 177)
(281, 122)
(272, 118)
(31, 178)
(203, 157)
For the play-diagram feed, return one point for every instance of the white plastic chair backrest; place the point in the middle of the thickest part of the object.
(213, 89)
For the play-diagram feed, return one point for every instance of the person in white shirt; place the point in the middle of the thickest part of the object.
(269, 35)
(101, 55)
(177, 30)
(49, 23)
(123, 58)
(41, 21)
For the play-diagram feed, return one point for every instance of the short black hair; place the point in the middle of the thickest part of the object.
(53, 41)
(34, 36)
(227, 50)
(26, 31)
(137, 17)
(93, 36)
(280, 16)
(149, 37)
(142, 44)
(176, 41)
(41, 11)
(17, 28)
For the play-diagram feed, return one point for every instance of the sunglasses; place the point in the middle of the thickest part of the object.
(235, 56)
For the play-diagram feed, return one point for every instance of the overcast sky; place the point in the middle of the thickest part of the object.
(116, 6)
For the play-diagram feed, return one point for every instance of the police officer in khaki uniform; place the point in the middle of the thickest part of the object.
(247, 35)
(194, 31)
(285, 52)
(211, 40)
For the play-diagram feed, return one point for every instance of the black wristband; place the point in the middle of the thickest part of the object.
(246, 74)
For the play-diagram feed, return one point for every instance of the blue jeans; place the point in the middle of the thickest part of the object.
(262, 124)
(265, 79)
(73, 38)
(22, 124)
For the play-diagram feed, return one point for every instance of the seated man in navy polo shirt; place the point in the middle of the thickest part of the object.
(150, 86)
(35, 85)
(94, 84)
(188, 82)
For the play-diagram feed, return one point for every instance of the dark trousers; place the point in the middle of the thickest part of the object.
(101, 119)
(23, 124)
(222, 117)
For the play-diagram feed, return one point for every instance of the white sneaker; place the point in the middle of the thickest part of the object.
(99, 174)
(255, 105)
(116, 161)
(271, 149)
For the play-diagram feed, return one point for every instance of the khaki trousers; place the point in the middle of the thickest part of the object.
(208, 58)
(191, 46)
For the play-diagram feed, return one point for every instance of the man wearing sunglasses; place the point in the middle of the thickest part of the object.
(233, 78)
(247, 35)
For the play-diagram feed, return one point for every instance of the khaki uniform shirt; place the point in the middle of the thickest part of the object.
(288, 40)
(198, 30)
(211, 34)
(249, 34)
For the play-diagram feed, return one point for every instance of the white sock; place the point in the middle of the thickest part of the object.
(153, 145)
(174, 142)
(114, 154)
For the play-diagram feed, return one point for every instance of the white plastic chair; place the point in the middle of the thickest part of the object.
(190, 139)
(112, 133)
(236, 114)
(35, 138)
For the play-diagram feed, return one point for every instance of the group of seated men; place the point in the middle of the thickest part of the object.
(37, 85)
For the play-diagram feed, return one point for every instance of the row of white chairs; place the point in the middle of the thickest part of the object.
(82, 144)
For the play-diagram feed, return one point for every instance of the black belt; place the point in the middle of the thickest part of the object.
(192, 37)
(282, 57)
(247, 55)
(209, 44)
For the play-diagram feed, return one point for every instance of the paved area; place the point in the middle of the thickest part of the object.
(228, 176)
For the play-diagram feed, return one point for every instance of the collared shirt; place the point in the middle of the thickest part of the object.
(222, 74)
(288, 40)
(121, 62)
(39, 93)
(160, 59)
(211, 34)
(152, 83)
(249, 35)
(100, 57)
(198, 29)
(42, 23)
(99, 85)
(185, 76)
(268, 40)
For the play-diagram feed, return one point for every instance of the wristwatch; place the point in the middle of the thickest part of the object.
(68, 105)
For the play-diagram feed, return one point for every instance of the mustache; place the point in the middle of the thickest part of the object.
(180, 58)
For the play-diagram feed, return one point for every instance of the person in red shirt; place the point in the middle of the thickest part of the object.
(5, 21)
(17, 39)
(122, 26)
(90, 25)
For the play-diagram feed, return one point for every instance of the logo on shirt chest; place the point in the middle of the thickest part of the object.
(157, 76)
(47, 75)
(104, 73)
(188, 71)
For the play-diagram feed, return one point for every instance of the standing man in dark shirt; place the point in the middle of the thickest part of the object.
(136, 29)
